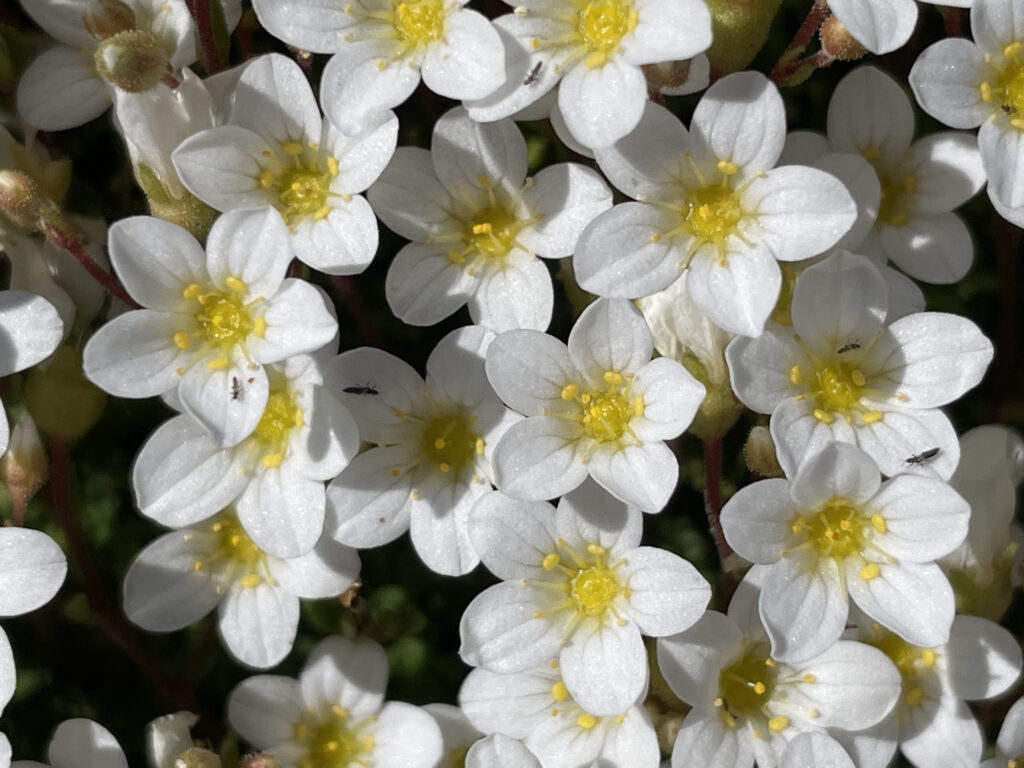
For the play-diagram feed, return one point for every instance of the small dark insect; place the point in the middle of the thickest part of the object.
(363, 390)
(251, 379)
(1009, 109)
(848, 347)
(924, 456)
(236, 387)
(534, 74)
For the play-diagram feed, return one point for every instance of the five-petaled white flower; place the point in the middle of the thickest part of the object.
(882, 26)
(478, 223)
(382, 47)
(599, 406)
(841, 372)
(577, 586)
(835, 532)
(212, 319)
(710, 200)
(278, 150)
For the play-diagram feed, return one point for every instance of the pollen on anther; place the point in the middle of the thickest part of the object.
(986, 91)
(928, 657)
(395, 473)
(559, 692)
(444, 466)
(878, 523)
(778, 723)
(586, 721)
(795, 374)
(550, 561)
(727, 167)
(869, 572)
(808, 678)
(259, 326)
(218, 363)
(759, 688)
(181, 340)
(638, 405)
(821, 416)
(870, 417)
(569, 391)
(655, 238)
(266, 179)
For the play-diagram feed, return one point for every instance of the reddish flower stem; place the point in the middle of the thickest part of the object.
(800, 40)
(200, 10)
(713, 495)
(66, 241)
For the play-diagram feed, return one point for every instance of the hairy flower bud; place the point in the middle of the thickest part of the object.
(837, 41)
(21, 199)
(740, 28)
(759, 453)
(131, 60)
(259, 760)
(114, 17)
(24, 467)
(63, 402)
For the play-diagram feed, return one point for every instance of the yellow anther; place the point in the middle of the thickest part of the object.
(813, 713)
(718, 702)
(655, 238)
(638, 406)
(928, 657)
(332, 166)
(479, 446)
(759, 688)
(612, 377)
(550, 561)
(986, 91)
(537, 614)
(845, 525)
(181, 340)
(395, 472)
(272, 460)
(870, 417)
(914, 697)
(795, 374)
(292, 148)
(250, 580)
(559, 692)
(197, 565)
(569, 391)
(482, 229)
(259, 326)
(857, 377)
(234, 284)
(440, 443)
(869, 572)
(878, 523)
(322, 212)
(821, 416)
(444, 466)
(809, 678)
(218, 363)
(778, 723)
(727, 167)
(769, 662)
(192, 292)
(266, 178)
(586, 721)
(1012, 50)
(596, 549)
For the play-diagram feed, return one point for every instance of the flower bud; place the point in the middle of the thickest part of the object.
(21, 199)
(114, 17)
(131, 60)
(188, 211)
(837, 41)
(740, 28)
(259, 760)
(759, 453)
(666, 74)
(23, 469)
(197, 757)
(63, 402)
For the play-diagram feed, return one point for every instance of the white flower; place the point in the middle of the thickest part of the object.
(710, 200)
(918, 185)
(599, 406)
(881, 26)
(815, 750)
(275, 477)
(593, 50)
(536, 707)
(31, 330)
(335, 713)
(435, 442)
(278, 150)
(212, 320)
(79, 742)
(183, 575)
(748, 705)
(1010, 743)
(478, 223)
(931, 721)
(457, 734)
(382, 47)
(835, 532)
(499, 751)
(578, 586)
(32, 568)
(63, 88)
(841, 372)
(965, 85)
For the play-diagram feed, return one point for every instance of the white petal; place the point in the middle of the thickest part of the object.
(251, 246)
(406, 735)
(328, 439)
(933, 249)
(528, 370)
(566, 197)
(642, 475)
(924, 518)
(424, 286)
(283, 513)
(803, 606)
(739, 295)
(32, 568)
(155, 260)
(222, 166)
(602, 104)
(1011, 735)
(759, 368)
(945, 79)
(610, 335)
(589, 515)
(899, 437)
(499, 751)
(514, 704)
(984, 659)
(325, 571)
(439, 530)
(646, 162)
(512, 536)
(31, 330)
(704, 742)
(313, 25)
(8, 673)
(355, 90)
(410, 199)
(692, 660)
(520, 295)
(870, 111)
(881, 26)
(538, 458)
(947, 171)
(756, 520)
(229, 413)
(81, 743)
(274, 99)
(361, 159)
(456, 366)
(369, 505)
(604, 666)
(915, 601)
(667, 594)
(264, 709)
(134, 355)
(668, 31)
(348, 673)
(470, 157)
(815, 750)
(298, 321)
(1002, 152)
(798, 434)
(837, 470)
(60, 89)
(950, 736)
(501, 631)
(258, 624)
(396, 390)
(671, 397)
(341, 243)
(469, 63)
(996, 23)
(861, 181)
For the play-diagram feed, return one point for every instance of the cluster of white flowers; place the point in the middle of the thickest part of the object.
(871, 559)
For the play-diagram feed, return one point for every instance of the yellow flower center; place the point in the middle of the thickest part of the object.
(602, 24)
(746, 685)
(837, 386)
(605, 414)
(589, 582)
(302, 183)
(898, 191)
(272, 433)
(914, 663)
(712, 213)
(488, 237)
(420, 21)
(838, 529)
(449, 442)
(1005, 90)
(594, 590)
(332, 740)
(221, 320)
(236, 557)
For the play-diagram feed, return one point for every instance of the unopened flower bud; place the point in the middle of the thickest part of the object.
(114, 17)
(21, 199)
(759, 453)
(666, 74)
(259, 760)
(24, 467)
(63, 402)
(197, 757)
(837, 41)
(740, 28)
(131, 60)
